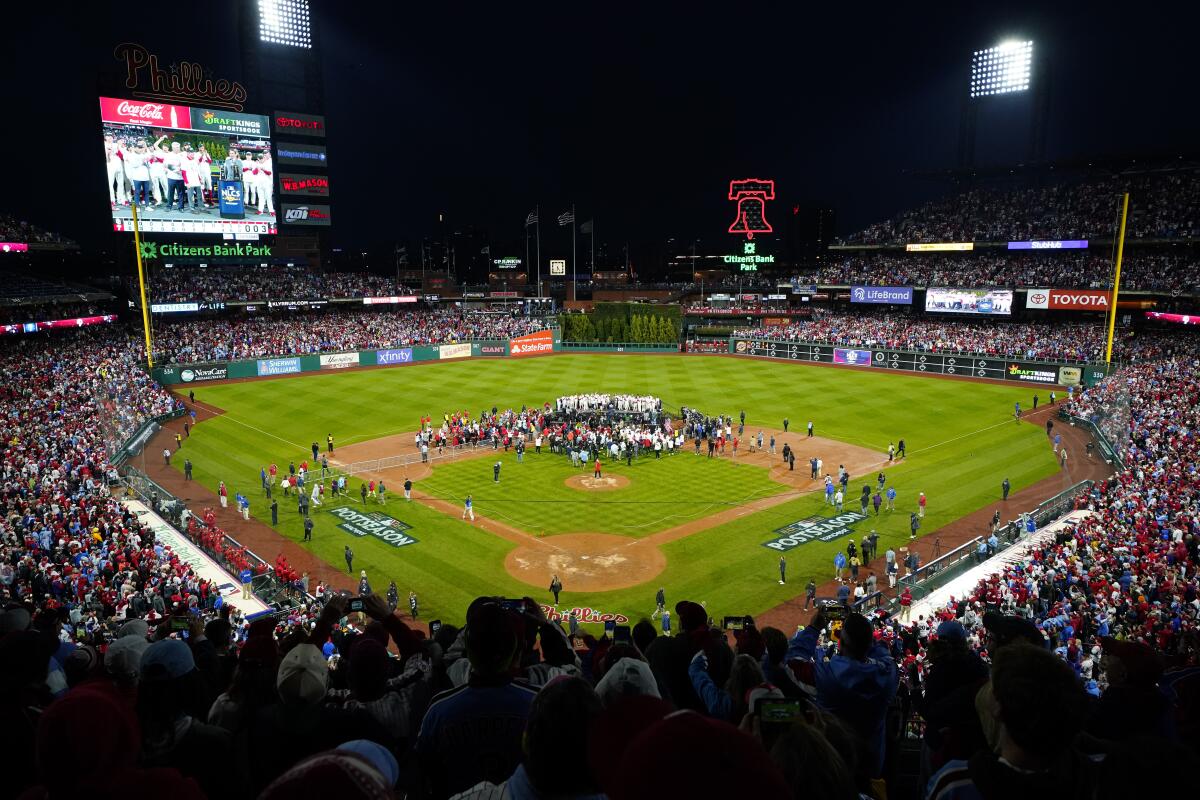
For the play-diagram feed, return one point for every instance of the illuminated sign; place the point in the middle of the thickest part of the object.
(14, 247)
(229, 122)
(177, 250)
(77, 322)
(1179, 319)
(308, 155)
(511, 263)
(306, 214)
(184, 80)
(751, 196)
(1051, 244)
(892, 295)
(750, 258)
(1067, 299)
(389, 301)
(938, 247)
(290, 122)
(558, 267)
(313, 185)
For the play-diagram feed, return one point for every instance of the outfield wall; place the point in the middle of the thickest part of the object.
(1045, 373)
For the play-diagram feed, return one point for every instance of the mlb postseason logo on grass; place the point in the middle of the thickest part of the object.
(817, 528)
(373, 523)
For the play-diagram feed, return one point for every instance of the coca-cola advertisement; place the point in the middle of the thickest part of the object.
(186, 168)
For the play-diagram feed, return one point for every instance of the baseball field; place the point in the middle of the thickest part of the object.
(700, 528)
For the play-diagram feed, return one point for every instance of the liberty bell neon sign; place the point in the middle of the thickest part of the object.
(751, 195)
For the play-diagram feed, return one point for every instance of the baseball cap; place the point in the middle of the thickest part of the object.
(303, 675)
(952, 629)
(1008, 629)
(169, 657)
(123, 658)
(628, 677)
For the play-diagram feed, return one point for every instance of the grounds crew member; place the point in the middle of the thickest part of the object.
(660, 602)
(187, 469)
(329, 442)
(1004, 488)
(308, 526)
(274, 512)
(782, 571)
(810, 593)
(349, 556)
(412, 604)
(408, 489)
(496, 472)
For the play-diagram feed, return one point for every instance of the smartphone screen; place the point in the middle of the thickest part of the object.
(778, 712)
(609, 627)
(621, 633)
(434, 627)
(356, 604)
(735, 623)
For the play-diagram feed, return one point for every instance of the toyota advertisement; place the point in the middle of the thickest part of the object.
(189, 170)
(890, 295)
(992, 302)
(1067, 299)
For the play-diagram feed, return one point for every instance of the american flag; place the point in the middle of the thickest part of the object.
(566, 218)
(531, 219)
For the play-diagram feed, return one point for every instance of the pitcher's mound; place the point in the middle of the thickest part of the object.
(587, 483)
(586, 562)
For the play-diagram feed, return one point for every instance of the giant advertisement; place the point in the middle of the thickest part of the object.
(890, 295)
(968, 301)
(189, 170)
(1067, 299)
(532, 344)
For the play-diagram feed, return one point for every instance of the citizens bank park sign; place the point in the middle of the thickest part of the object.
(1067, 299)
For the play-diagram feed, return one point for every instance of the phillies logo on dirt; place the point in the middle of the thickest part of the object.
(147, 111)
(583, 615)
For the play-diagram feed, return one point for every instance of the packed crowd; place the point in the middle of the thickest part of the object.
(1162, 206)
(1032, 340)
(1141, 269)
(189, 341)
(224, 284)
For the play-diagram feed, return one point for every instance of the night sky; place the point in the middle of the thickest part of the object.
(639, 114)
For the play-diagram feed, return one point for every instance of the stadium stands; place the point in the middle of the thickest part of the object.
(190, 341)
(15, 230)
(223, 284)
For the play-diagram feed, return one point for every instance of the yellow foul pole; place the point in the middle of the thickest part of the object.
(137, 249)
(1116, 290)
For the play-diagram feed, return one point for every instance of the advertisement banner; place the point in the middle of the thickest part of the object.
(214, 120)
(1179, 319)
(890, 295)
(945, 300)
(1032, 373)
(278, 366)
(311, 185)
(296, 124)
(389, 301)
(141, 112)
(558, 267)
(1051, 244)
(311, 214)
(1037, 298)
(403, 356)
(532, 344)
(339, 360)
(388, 530)
(45, 325)
(14, 247)
(305, 155)
(776, 322)
(854, 358)
(173, 308)
(454, 351)
(939, 247)
(1070, 376)
(818, 528)
(202, 374)
(1067, 299)
(496, 349)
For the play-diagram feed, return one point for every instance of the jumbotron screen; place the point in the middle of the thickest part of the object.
(190, 170)
(968, 301)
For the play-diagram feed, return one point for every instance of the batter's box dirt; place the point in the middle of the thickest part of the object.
(586, 562)
(588, 483)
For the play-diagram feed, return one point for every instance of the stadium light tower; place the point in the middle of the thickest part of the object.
(284, 22)
(1003, 69)
(999, 74)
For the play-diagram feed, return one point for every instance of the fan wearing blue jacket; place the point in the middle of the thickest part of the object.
(856, 684)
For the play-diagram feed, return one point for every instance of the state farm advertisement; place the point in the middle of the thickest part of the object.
(1067, 299)
(532, 344)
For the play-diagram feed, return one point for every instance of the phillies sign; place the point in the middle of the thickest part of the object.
(1067, 299)
(184, 80)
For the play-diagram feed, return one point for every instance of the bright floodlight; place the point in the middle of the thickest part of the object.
(284, 22)
(1002, 69)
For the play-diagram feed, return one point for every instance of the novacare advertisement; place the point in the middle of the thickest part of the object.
(454, 351)
(339, 360)
(278, 366)
(532, 344)
(200, 374)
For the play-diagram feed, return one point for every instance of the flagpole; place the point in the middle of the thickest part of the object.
(574, 281)
(592, 233)
(538, 211)
(526, 254)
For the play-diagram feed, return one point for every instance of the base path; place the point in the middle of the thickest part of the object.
(1079, 468)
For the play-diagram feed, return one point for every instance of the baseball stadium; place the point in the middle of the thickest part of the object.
(776, 487)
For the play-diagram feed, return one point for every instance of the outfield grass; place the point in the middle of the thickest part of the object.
(961, 444)
(532, 495)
